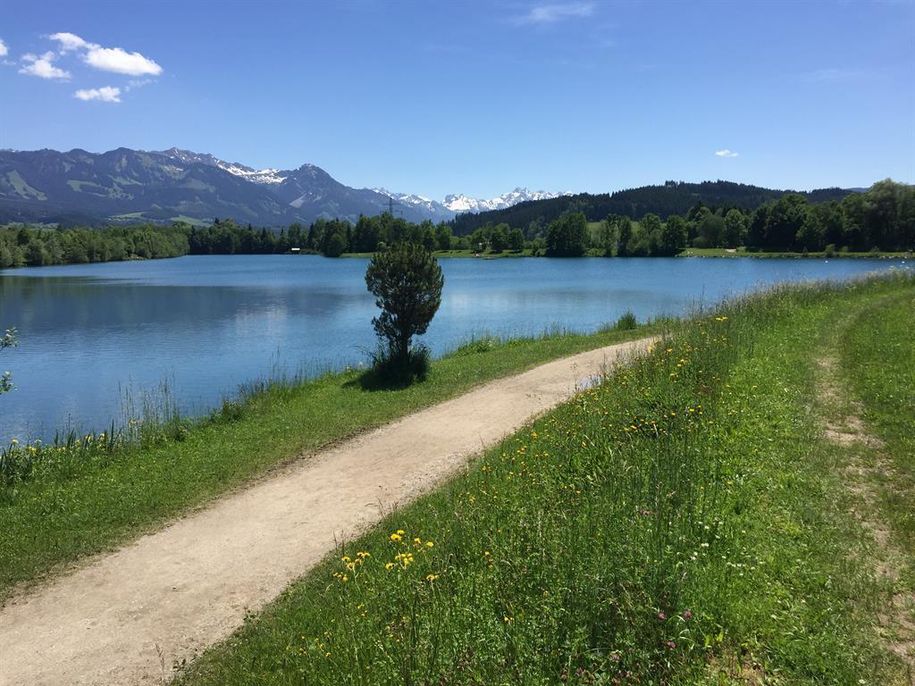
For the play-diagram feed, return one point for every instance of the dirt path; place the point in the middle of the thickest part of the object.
(127, 617)
(864, 464)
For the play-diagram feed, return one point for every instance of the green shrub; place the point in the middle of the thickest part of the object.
(626, 322)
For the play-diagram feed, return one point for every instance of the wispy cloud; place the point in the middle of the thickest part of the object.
(115, 60)
(42, 66)
(4, 51)
(137, 83)
(554, 12)
(103, 94)
(68, 41)
(724, 152)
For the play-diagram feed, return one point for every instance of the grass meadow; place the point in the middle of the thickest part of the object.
(685, 521)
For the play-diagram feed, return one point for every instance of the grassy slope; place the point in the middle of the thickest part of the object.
(71, 507)
(879, 356)
(682, 523)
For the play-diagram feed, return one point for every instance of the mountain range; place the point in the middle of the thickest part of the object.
(125, 185)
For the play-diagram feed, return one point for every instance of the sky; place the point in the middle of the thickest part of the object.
(474, 97)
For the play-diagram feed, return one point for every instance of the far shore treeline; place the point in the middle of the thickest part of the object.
(879, 219)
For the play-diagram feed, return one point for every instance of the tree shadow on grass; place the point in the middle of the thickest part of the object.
(390, 374)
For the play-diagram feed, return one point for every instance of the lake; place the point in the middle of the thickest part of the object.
(89, 334)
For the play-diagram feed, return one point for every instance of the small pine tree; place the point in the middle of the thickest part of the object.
(407, 284)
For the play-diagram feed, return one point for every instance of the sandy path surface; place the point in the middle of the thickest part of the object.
(126, 617)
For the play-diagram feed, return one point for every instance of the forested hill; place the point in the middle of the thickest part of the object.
(673, 197)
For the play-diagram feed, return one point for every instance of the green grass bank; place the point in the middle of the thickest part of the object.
(686, 521)
(61, 503)
(878, 364)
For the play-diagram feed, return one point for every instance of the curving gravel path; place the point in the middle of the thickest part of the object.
(126, 617)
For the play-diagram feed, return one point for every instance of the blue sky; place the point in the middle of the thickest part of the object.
(437, 98)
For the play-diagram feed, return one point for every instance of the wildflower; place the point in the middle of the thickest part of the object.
(429, 544)
(687, 615)
(431, 577)
(389, 566)
(661, 616)
(396, 537)
(670, 645)
(405, 559)
(362, 555)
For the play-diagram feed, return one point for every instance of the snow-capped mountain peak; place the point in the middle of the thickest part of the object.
(269, 175)
(410, 198)
(462, 203)
(264, 176)
(456, 204)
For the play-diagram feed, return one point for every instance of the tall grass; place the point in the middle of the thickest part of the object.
(149, 419)
(675, 523)
(559, 556)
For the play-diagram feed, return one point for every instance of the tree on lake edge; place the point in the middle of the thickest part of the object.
(407, 282)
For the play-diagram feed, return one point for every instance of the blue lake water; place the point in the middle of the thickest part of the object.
(206, 325)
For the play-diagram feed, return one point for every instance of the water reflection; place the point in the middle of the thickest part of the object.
(212, 323)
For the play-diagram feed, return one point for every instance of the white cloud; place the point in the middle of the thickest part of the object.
(4, 51)
(43, 67)
(551, 13)
(116, 60)
(724, 152)
(103, 94)
(68, 41)
(120, 61)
